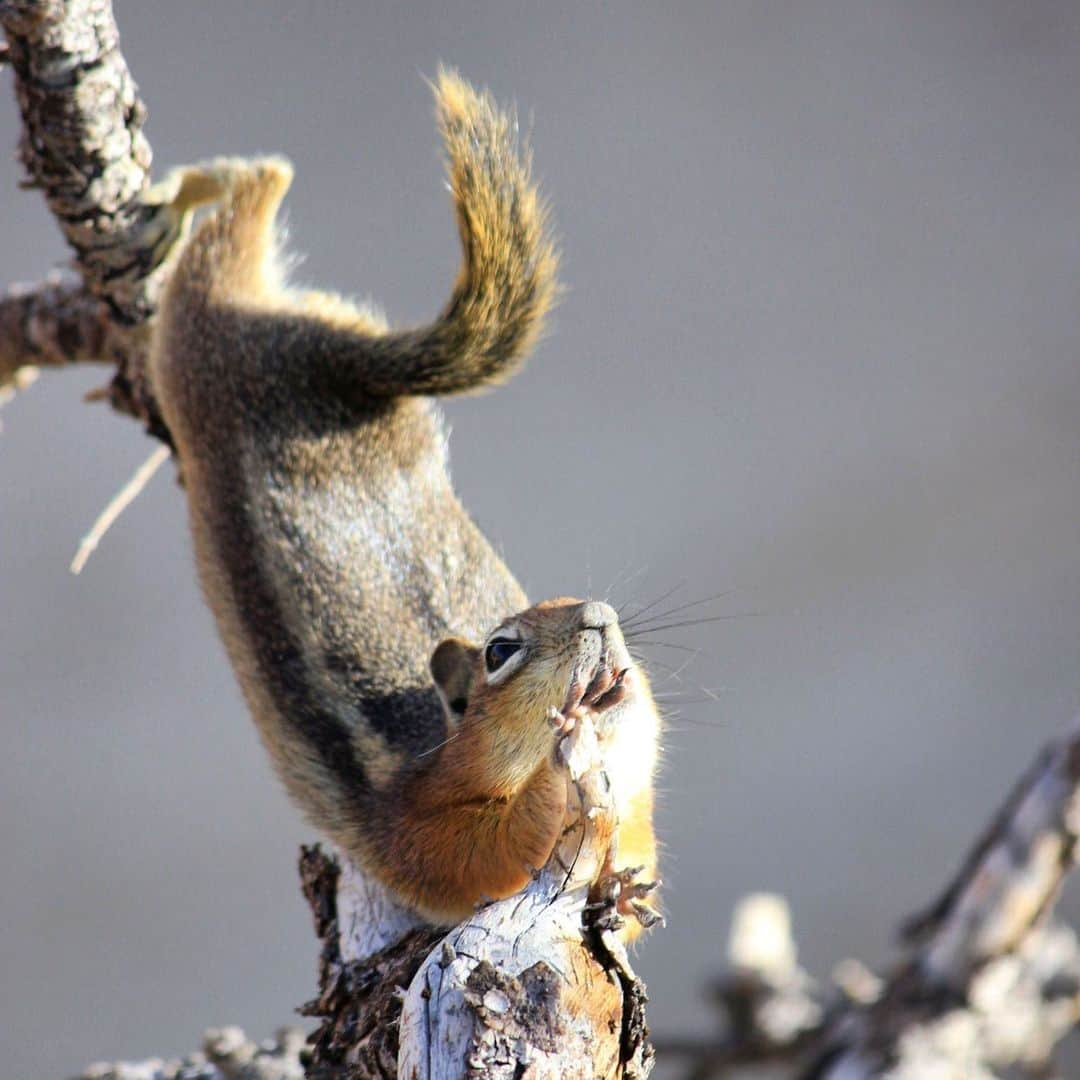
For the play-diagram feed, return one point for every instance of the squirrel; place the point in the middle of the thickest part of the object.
(347, 581)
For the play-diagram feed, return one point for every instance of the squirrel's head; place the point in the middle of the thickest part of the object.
(564, 654)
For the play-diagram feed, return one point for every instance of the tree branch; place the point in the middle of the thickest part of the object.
(82, 142)
(82, 145)
(51, 325)
(989, 980)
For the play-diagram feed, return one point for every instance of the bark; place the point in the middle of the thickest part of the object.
(82, 145)
(49, 326)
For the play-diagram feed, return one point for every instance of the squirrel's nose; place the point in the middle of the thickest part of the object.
(596, 615)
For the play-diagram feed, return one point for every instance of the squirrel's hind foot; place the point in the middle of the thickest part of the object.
(617, 896)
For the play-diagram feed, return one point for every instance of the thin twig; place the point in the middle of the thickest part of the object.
(117, 505)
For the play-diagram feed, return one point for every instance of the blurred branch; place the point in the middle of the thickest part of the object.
(989, 981)
(772, 1009)
(50, 325)
(227, 1054)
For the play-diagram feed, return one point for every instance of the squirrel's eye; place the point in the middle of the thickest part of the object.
(500, 650)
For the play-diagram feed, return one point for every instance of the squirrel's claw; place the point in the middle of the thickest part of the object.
(618, 895)
(603, 917)
(646, 914)
(559, 722)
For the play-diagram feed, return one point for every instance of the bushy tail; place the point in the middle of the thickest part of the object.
(504, 288)
(507, 281)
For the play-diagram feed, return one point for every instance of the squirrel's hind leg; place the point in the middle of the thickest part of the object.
(232, 252)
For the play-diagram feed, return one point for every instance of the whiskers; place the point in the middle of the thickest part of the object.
(438, 746)
(648, 629)
(670, 695)
(648, 621)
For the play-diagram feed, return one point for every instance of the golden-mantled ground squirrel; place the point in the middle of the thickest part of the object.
(341, 567)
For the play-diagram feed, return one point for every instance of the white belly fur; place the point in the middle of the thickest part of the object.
(630, 752)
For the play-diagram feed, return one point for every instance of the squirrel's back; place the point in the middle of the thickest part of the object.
(330, 544)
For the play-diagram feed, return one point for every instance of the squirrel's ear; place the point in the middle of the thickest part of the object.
(452, 669)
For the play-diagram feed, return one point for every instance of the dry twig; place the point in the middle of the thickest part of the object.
(117, 505)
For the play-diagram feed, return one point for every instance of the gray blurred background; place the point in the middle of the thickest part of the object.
(818, 352)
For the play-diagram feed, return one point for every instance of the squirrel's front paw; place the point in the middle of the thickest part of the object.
(617, 895)
(560, 723)
(576, 745)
